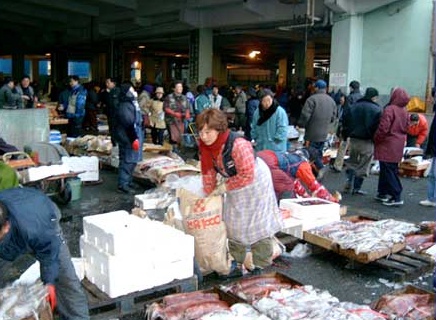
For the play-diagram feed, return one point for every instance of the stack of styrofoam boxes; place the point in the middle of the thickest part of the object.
(306, 217)
(124, 253)
(88, 164)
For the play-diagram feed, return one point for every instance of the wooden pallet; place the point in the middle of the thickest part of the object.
(101, 306)
(405, 265)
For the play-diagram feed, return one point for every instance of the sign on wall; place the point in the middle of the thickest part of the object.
(338, 79)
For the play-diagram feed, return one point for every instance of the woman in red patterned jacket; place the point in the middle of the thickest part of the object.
(228, 166)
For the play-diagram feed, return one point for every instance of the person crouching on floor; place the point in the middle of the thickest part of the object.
(292, 174)
(251, 214)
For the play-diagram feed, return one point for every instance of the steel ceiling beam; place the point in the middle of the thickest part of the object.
(70, 6)
(129, 4)
(34, 11)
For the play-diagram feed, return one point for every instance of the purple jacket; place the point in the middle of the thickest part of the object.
(391, 134)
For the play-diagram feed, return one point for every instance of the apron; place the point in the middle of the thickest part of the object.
(251, 213)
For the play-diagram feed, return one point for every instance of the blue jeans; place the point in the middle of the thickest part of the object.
(72, 302)
(319, 147)
(431, 182)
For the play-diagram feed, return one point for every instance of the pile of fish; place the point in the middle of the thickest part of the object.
(20, 301)
(186, 306)
(238, 311)
(306, 302)
(366, 236)
(411, 306)
(254, 288)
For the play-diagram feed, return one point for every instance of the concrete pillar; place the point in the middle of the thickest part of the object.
(98, 66)
(283, 72)
(219, 70)
(200, 55)
(34, 65)
(300, 64)
(59, 66)
(148, 70)
(309, 59)
(346, 52)
(17, 66)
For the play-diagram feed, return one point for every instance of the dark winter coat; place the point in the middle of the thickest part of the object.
(430, 151)
(390, 136)
(318, 113)
(126, 121)
(361, 119)
(34, 221)
(353, 97)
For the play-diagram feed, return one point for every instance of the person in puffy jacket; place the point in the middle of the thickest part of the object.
(75, 111)
(417, 131)
(29, 223)
(389, 141)
(128, 129)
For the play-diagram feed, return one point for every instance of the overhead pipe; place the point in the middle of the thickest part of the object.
(310, 12)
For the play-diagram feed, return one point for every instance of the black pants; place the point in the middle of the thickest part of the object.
(157, 136)
(389, 182)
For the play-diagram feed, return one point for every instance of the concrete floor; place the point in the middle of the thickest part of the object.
(322, 269)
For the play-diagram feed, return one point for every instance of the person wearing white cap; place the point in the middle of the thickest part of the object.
(157, 117)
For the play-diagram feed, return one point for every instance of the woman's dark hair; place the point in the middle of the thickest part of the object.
(200, 89)
(213, 118)
(4, 215)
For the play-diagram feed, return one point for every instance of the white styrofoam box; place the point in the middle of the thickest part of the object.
(323, 210)
(119, 233)
(177, 270)
(314, 223)
(146, 202)
(293, 227)
(90, 165)
(42, 172)
(114, 275)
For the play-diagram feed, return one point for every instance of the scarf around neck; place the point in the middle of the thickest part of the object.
(210, 153)
(264, 115)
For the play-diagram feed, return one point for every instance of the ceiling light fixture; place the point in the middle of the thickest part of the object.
(141, 47)
(48, 54)
(253, 54)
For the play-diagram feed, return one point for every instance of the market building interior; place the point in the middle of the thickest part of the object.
(234, 41)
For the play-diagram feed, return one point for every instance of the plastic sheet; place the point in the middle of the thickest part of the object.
(23, 127)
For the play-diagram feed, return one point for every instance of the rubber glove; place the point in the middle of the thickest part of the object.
(135, 145)
(219, 190)
(51, 298)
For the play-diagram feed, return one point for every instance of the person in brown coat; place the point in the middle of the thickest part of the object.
(390, 139)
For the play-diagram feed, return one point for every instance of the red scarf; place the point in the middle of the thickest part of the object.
(210, 153)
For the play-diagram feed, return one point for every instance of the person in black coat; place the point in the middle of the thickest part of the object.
(127, 132)
(361, 120)
(431, 180)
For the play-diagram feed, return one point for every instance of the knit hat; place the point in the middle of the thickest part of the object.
(149, 88)
(320, 84)
(355, 85)
(370, 93)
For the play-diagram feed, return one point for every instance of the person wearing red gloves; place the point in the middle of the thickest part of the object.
(177, 109)
(29, 224)
(128, 135)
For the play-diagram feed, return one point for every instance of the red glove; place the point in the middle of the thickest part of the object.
(135, 145)
(51, 298)
(178, 115)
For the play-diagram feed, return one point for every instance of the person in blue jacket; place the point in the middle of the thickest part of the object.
(269, 128)
(29, 223)
(75, 111)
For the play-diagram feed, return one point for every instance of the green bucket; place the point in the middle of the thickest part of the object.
(75, 186)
